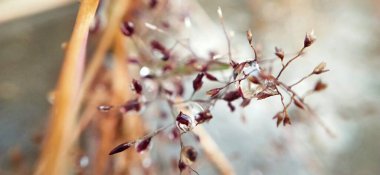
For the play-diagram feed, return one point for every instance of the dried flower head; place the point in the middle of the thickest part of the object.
(279, 53)
(249, 36)
(232, 95)
(203, 117)
(188, 155)
(142, 145)
(253, 79)
(153, 3)
(210, 77)
(309, 39)
(197, 82)
(286, 119)
(136, 86)
(181, 165)
(319, 86)
(121, 147)
(279, 118)
(157, 46)
(213, 92)
(298, 103)
(320, 68)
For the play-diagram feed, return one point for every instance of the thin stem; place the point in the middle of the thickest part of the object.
(309, 92)
(254, 51)
(184, 45)
(309, 109)
(291, 60)
(302, 79)
(193, 170)
(192, 100)
(282, 98)
(226, 35)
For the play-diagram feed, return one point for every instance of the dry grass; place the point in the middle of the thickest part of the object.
(55, 152)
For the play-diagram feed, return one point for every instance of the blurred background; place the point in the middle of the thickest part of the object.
(347, 40)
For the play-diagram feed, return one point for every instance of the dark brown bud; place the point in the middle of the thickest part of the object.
(203, 117)
(153, 3)
(309, 39)
(245, 102)
(238, 68)
(175, 133)
(287, 119)
(279, 118)
(210, 77)
(128, 28)
(214, 92)
(319, 86)
(188, 155)
(232, 95)
(298, 103)
(136, 86)
(121, 147)
(160, 48)
(265, 94)
(279, 53)
(143, 144)
(130, 105)
(181, 166)
(197, 82)
(231, 106)
(253, 79)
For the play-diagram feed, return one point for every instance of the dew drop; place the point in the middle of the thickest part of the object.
(144, 71)
(187, 114)
(248, 88)
(84, 161)
(188, 23)
(104, 108)
(185, 122)
(194, 108)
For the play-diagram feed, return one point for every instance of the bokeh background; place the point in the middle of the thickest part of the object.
(347, 39)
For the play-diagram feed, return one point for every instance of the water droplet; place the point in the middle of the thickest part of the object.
(188, 23)
(185, 122)
(248, 88)
(188, 112)
(144, 71)
(84, 161)
(104, 108)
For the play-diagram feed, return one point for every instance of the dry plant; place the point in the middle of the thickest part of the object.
(123, 32)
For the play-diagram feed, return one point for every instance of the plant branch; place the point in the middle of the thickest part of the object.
(291, 60)
(55, 152)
